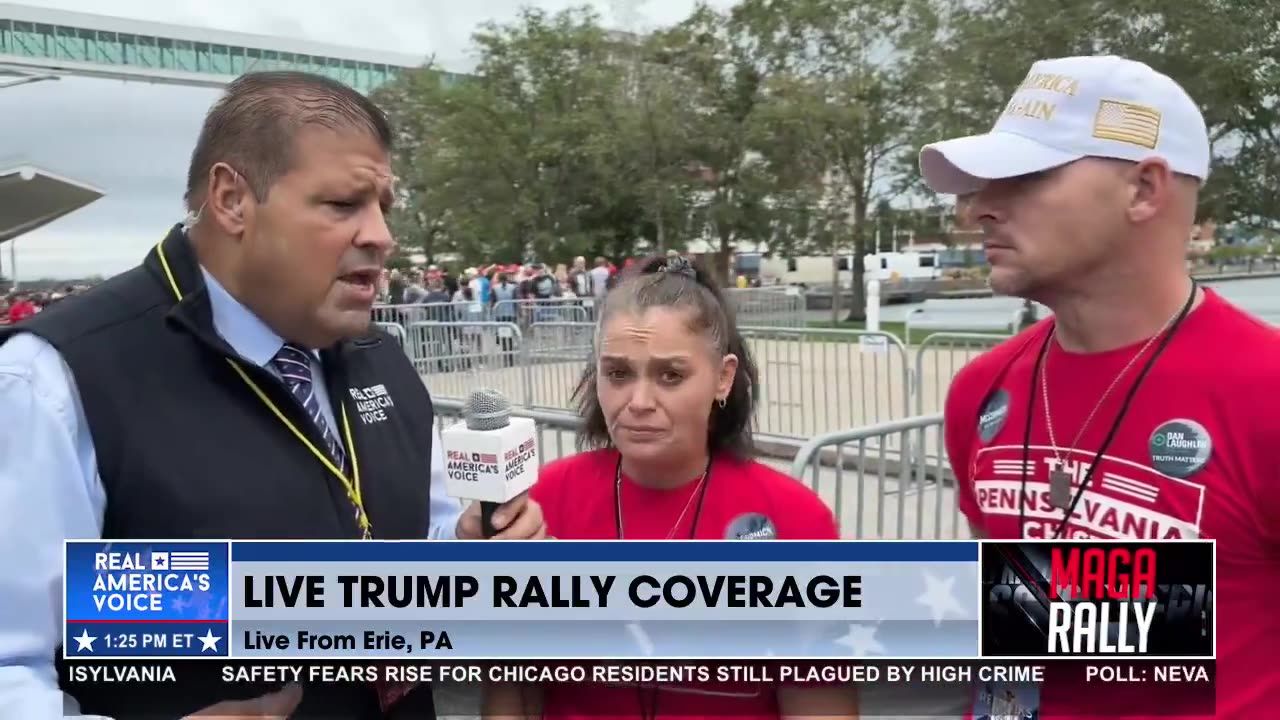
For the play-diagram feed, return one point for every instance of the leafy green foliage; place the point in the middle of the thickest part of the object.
(789, 123)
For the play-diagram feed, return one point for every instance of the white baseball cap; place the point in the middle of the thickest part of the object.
(1070, 108)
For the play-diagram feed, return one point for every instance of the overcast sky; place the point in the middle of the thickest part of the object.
(133, 140)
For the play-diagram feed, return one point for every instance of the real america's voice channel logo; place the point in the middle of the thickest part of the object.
(146, 600)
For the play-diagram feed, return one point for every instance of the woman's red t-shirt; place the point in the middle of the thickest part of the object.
(577, 498)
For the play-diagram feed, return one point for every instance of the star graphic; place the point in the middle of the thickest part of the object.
(861, 640)
(939, 597)
(808, 633)
(84, 640)
(642, 638)
(209, 641)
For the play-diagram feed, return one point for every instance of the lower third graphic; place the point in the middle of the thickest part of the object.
(146, 600)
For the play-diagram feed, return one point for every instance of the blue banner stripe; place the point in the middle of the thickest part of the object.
(607, 551)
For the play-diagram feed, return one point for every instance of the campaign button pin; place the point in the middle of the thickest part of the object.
(994, 413)
(1180, 448)
(751, 526)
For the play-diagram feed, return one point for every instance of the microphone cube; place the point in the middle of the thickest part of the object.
(490, 465)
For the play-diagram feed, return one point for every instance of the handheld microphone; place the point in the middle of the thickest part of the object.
(491, 457)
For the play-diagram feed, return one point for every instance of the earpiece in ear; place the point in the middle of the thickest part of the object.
(193, 218)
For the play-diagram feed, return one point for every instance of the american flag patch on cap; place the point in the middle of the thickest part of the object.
(1127, 123)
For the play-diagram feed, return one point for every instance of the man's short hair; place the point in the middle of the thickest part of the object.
(253, 125)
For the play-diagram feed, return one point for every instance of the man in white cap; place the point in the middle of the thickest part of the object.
(1086, 191)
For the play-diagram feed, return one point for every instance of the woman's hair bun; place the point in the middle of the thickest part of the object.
(679, 265)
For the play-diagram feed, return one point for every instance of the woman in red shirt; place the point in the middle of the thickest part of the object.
(668, 404)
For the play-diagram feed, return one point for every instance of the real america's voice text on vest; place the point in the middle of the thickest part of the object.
(433, 640)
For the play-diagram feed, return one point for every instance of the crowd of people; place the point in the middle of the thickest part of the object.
(19, 305)
(496, 283)
(490, 285)
(493, 284)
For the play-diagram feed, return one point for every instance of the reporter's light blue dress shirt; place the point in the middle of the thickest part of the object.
(50, 491)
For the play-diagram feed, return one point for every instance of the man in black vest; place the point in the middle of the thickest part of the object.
(212, 393)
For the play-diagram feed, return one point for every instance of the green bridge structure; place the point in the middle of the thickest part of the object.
(41, 44)
(55, 42)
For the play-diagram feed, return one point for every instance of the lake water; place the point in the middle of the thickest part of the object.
(1258, 295)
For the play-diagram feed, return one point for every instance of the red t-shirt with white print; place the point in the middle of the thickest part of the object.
(1220, 372)
(577, 498)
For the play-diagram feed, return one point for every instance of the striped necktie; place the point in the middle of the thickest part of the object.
(294, 365)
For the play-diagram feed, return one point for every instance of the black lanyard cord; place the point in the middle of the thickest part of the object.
(352, 484)
(650, 712)
(649, 704)
(1026, 434)
(617, 499)
(1111, 432)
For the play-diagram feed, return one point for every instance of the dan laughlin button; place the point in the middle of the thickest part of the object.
(1180, 448)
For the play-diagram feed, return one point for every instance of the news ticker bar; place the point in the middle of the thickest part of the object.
(701, 600)
(918, 687)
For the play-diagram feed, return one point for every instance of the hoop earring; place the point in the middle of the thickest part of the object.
(723, 402)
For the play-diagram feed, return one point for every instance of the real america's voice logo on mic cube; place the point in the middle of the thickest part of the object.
(490, 457)
(1098, 599)
(146, 599)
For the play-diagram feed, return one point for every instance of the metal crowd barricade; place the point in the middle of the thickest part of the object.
(523, 311)
(561, 309)
(939, 358)
(426, 312)
(397, 319)
(556, 355)
(900, 485)
(768, 306)
(557, 431)
(395, 330)
(457, 357)
(815, 380)
(875, 491)
(811, 380)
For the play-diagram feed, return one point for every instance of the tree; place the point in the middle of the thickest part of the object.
(398, 262)
(662, 131)
(654, 125)
(711, 57)
(417, 103)
(973, 53)
(515, 163)
(837, 105)
(640, 189)
(794, 123)
(1237, 43)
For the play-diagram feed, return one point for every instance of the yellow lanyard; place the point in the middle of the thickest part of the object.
(352, 486)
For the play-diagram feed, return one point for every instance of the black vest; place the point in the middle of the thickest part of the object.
(186, 450)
